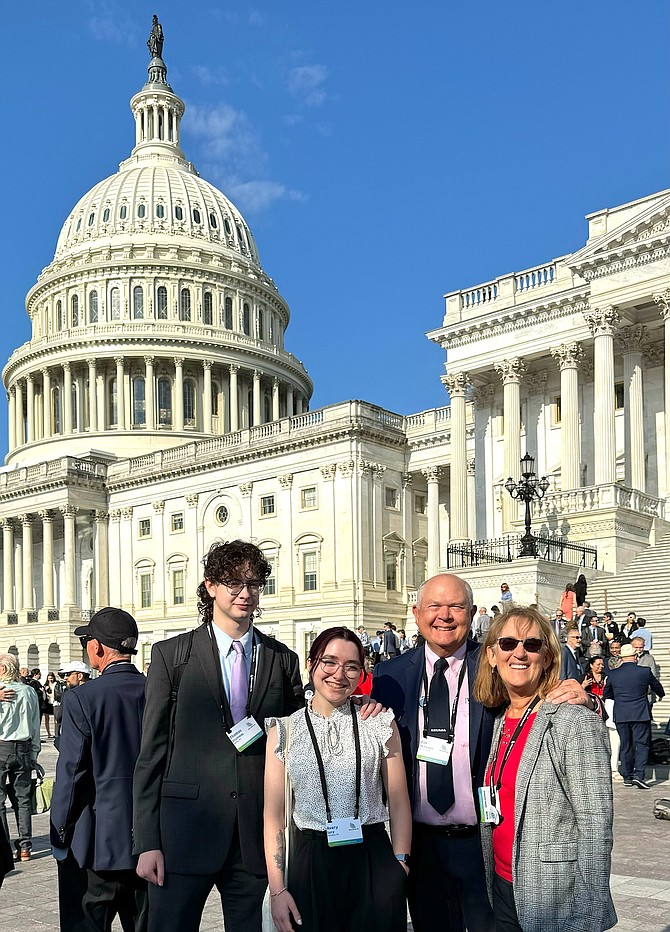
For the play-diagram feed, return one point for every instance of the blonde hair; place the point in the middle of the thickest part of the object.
(489, 688)
(9, 668)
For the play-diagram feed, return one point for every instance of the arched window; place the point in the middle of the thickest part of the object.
(75, 310)
(267, 409)
(105, 215)
(228, 314)
(160, 211)
(91, 218)
(113, 403)
(115, 300)
(189, 403)
(178, 213)
(212, 220)
(261, 325)
(73, 404)
(123, 212)
(59, 315)
(139, 410)
(207, 309)
(196, 216)
(164, 403)
(141, 211)
(161, 303)
(216, 388)
(55, 411)
(185, 304)
(93, 307)
(138, 302)
(246, 319)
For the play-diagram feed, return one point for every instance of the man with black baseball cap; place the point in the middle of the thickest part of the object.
(91, 808)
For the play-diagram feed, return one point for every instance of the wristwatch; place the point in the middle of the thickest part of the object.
(404, 858)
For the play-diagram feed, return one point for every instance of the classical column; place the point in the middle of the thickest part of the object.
(275, 399)
(569, 356)
(101, 559)
(67, 398)
(120, 394)
(511, 371)
(46, 396)
(18, 572)
(631, 342)
(30, 409)
(47, 559)
(27, 525)
(92, 393)
(289, 401)
(69, 513)
(207, 396)
(602, 324)
(256, 418)
(19, 413)
(432, 475)
(149, 406)
(11, 398)
(179, 392)
(472, 497)
(234, 400)
(663, 301)
(457, 384)
(8, 565)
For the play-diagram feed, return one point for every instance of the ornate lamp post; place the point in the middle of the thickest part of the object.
(526, 489)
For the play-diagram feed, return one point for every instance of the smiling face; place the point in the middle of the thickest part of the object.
(335, 674)
(444, 613)
(521, 671)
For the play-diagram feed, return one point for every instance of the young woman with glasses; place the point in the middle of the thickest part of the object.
(547, 854)
(344, 872)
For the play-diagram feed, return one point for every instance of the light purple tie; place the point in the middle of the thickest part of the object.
(239, 687)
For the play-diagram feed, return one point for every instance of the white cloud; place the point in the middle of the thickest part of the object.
(210, 76)
(108, 24)
(256, 196)
(306, 81)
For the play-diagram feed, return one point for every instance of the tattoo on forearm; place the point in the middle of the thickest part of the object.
(279, 856)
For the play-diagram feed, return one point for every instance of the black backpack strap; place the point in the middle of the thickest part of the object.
(182, 654)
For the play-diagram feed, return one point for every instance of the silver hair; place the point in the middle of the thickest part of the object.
(466, 585)
(10, 665)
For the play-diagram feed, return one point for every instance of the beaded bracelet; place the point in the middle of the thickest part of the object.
(279, 892)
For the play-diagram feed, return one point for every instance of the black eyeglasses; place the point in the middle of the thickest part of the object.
(530, 645)
(235, 586)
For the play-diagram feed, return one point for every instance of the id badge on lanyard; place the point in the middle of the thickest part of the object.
(245, 732)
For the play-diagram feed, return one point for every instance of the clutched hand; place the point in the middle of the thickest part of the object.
(283, 908)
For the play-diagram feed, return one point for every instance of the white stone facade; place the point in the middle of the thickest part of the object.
(155, 409)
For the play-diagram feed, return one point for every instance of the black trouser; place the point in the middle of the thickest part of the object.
(72, 883)
(15, 759)
(504, 907)
(112, 893)
(447, 883)
(346, 888)
(177, 906)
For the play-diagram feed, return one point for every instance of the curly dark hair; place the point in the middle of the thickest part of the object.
(225, 560)
(321, 642)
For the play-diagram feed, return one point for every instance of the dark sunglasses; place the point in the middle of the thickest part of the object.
(84, 641)
(530, 645)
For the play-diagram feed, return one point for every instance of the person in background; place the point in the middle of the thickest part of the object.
(505, 595)
(614, 659)
(390, 646)
(645, 659)
(482, 623)
(547, 856)
(580, 589)
(404, 643)
(568, 603)
(644, 633)
(571, 658)
(611, 629)
(364, 638)
(594, 682)
(328, 745)
(49, 685)
(628, 628)
(364, 686)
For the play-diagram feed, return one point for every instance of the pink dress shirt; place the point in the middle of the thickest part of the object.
(463, 811)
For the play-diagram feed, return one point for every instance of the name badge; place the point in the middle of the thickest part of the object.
(488, 811)
(245, 733)
(435, 750)
(344, 832)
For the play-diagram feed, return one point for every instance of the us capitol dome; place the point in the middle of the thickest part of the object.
(155, 320)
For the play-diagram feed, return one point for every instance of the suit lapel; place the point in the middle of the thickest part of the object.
(413, 676)
(265, 661)
(202, 647)
(476, 709)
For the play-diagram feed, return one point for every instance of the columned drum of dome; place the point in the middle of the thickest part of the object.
(155, 320)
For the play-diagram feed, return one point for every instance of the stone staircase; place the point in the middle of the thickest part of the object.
(643, 587)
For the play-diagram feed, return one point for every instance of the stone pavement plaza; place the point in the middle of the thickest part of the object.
(640, 867)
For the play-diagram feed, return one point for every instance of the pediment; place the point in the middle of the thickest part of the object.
(643, 228)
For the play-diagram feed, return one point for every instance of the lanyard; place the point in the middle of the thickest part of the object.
(454, 706)
(495, 786)
(252, 675)
(319, 760)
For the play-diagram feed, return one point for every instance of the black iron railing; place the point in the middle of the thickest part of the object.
(506, 550)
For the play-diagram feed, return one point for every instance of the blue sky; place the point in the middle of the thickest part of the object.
(383, 153)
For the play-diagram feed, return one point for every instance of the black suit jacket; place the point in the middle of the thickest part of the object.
(397, 685)
(571, 669)
(91, 806)
(628, 686)
(190, 792)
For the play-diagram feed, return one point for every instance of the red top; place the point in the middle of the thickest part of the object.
(503, 833)
(364, 687)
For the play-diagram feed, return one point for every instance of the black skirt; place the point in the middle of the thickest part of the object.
(339, 889)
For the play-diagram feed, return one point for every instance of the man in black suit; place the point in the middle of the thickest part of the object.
(447, 886)
(571, 661)
(91, 806)
(628, 685)
(198, 818)
(592, 633)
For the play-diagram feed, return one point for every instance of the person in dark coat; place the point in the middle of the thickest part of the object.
(91, 806)
(571, 658)
(580, 589)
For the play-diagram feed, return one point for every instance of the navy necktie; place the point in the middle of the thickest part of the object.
(439, 777)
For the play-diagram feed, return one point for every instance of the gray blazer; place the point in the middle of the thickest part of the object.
(562, 851)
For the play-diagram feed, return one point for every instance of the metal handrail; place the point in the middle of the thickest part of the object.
(506, 550)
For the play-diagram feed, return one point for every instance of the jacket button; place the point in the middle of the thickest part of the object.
(233, 795)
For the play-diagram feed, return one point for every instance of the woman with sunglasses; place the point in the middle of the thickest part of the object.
(344, 872)
(547, 854)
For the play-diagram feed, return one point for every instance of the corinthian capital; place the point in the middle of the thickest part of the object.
(603, 321)
(568, 355)
(510, 370)
(432, 473)
(663, 301)
(456, 383)
(483, 396)
(632, 339)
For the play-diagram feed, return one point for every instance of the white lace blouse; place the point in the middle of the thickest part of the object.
(335, 737)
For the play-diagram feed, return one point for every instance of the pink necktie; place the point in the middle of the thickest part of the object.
(239, 687)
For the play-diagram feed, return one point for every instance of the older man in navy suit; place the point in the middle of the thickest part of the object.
(628, 685)
(91, 808)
